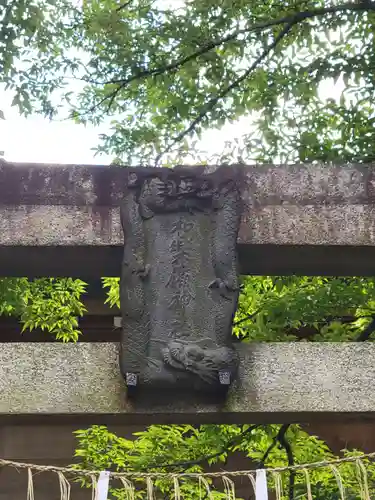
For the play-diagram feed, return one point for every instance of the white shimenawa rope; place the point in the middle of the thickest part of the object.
(30, 485)
(64, 486)
(257, 479)
(165, 475)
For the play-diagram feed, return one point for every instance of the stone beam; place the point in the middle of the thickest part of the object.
(278, 382)
(63, 220)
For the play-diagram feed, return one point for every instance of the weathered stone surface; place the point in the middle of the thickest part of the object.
(179, 281)
(53, 225)
(277, 382)
(57, 225)
(329, 210)
(36, 184)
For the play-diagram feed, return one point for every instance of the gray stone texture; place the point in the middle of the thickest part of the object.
(277, 382)
(57, 225)
(284, 205)
(287, 224)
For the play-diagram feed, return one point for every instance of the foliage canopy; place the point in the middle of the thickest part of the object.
(163, 72)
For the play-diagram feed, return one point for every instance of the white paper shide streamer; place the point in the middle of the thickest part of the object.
(102, 486)
(261, 492)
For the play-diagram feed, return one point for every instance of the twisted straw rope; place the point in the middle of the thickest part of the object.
(164, 475)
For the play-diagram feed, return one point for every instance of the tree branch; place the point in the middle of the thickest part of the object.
(367, 332)
(248, 317)
(289, 453)
(224, 92)
(198, 461)
(281, 431)
(113, 97)
(124, 5)
(281, 438)
(292, 19)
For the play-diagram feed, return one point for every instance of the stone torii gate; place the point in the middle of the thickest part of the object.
(64, 220)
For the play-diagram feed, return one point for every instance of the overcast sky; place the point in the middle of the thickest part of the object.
(36, 139)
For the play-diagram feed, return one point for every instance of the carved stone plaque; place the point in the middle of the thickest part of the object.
(179, 283)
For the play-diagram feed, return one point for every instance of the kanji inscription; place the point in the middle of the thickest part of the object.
(179, 283)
